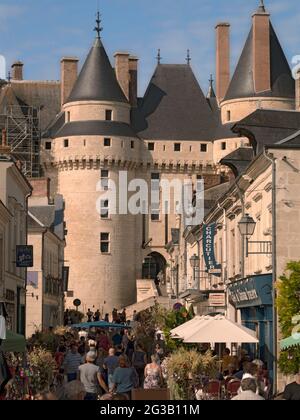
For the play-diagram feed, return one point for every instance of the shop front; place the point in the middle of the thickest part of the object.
(252, 296)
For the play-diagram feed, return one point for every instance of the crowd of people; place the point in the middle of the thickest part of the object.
(107, 365)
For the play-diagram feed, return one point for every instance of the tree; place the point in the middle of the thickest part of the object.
(288, 304)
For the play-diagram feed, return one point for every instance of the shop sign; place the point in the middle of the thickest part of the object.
(217, 299)
(212, 267)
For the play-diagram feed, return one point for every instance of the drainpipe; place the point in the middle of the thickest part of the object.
(224, 257)
(242, 198)
(274, 270)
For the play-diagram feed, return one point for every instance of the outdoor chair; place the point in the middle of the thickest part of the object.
(232, 388)
(213, 389)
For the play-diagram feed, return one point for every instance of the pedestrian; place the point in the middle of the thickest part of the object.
(153, 374)
(114, 315)
(116, 339)
(159, 352)
(74, 391)
(130, 347)
(248, 391)
(89, 315)
(124, 316)
(90, 377)
(104, 341)
(135, 316)
(72, 362)
(110, 364)
(106, 318)
(59, 356)
(292, 391)
(124, 379)
(83, 333)
(139, 362)
(97, 316)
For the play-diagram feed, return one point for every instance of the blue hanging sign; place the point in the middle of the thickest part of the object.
(24, 256)
(212, 267)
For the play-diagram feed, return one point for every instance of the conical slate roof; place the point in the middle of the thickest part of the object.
(97, 80)
(174, 107)
(282, 82)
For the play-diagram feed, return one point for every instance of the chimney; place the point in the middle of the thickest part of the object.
(122, 71)
(17, 70)
(69, 72)
(133, 80)
(261, 51)
(222, 60)
(40, 191)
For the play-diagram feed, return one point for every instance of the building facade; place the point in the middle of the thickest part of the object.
(45, 280)
(14, 193)
(172, 132)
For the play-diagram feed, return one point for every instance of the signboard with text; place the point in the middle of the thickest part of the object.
(24, 256)
(209, 250)
(217, 299)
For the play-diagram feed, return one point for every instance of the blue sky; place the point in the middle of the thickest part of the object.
(40, 32)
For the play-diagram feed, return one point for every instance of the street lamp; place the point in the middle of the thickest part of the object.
(247, 226)
(195, 264)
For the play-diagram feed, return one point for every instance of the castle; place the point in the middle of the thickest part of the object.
(173, 131)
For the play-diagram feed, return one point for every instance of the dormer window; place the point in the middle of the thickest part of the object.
(108, 115)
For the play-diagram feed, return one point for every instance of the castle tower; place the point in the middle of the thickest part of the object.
(262, 78)
(94, 144)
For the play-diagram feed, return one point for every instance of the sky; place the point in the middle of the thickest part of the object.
(40, 32)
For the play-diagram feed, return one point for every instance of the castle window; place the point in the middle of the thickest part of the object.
(155, 197)
(164, 148)
(68, 116)
(177, 147)
(104, 243)
(104, 209)
(108, 115)
(48, 145)
(228, 115)
(203, 148)
(132, 144)
(66, 142)
(107, 142)
(84, 143)
(104, 179)
(151, 147)
(191, 148)
(223, 145)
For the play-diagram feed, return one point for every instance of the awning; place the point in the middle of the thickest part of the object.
(100, 324)
(14, 343)
(289, 342)
(186, 327)
(218, 329)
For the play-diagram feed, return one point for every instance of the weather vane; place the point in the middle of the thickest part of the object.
(188, 58)
(98, 27)
(158, 56)
(211, 80)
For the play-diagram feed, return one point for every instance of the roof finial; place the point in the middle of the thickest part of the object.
(188, 57)
(158, 57)
(98, 27)
(262, 6)
(211, 92)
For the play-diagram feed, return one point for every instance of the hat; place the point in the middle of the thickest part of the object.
(91, 356)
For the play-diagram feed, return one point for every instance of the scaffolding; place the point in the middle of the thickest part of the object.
(22, 125)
